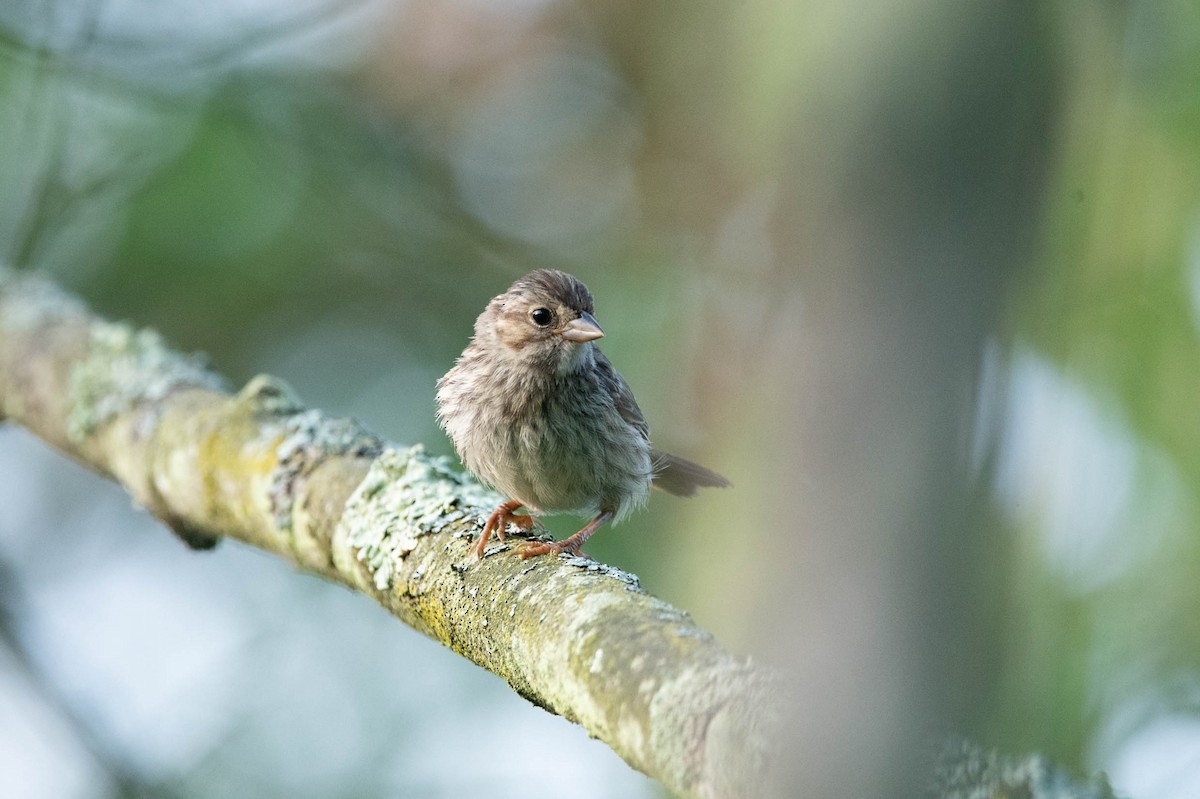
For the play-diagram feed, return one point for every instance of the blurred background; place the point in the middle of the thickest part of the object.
(921, 277)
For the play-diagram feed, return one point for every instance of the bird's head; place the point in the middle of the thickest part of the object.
(544, 320)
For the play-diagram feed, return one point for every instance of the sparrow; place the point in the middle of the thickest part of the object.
(537, 412)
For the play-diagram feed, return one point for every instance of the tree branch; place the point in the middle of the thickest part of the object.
(577, 638)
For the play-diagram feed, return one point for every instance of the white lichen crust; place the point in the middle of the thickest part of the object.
(406, 494)
(587, 564)
(27, 301)
(308, 438)
(965, 771)
(127, 367)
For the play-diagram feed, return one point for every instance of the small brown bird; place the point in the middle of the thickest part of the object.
(535, 410)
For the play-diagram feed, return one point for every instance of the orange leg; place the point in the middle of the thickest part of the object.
(500, 518)
(571, 544)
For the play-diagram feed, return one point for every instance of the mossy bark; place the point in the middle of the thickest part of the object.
(579, 639)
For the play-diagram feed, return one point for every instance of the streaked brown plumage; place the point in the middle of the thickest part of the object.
(535, 410)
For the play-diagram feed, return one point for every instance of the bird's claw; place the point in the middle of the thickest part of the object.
(553, 548)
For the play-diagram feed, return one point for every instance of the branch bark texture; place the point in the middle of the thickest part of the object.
(578, 638)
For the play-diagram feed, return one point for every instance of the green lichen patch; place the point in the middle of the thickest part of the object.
(406, 494)
(127, 367)
(308, 439)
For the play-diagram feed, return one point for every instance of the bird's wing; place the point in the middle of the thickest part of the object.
(673, 474)
(622, 397)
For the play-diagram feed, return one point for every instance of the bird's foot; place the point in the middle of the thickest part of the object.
(501, 517)
(550, 548)
(569, 545)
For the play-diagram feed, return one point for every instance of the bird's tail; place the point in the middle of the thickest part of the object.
(680, 476)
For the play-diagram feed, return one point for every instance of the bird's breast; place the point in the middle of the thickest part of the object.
(554, 445)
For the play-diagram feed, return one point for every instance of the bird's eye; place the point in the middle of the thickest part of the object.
(541, 316)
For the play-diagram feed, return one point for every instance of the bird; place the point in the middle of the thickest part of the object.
(535, 410)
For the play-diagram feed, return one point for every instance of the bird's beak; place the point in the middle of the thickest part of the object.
(585, 328)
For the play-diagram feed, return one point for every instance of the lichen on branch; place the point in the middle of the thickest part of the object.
(407, 494)
(578, 638)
